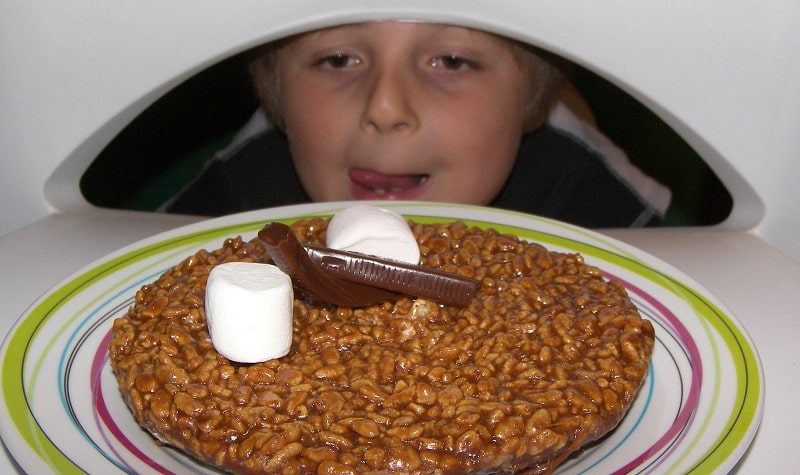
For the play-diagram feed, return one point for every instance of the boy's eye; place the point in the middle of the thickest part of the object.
(339, 60)
(452, 62)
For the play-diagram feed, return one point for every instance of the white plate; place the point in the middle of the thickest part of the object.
(697, 411)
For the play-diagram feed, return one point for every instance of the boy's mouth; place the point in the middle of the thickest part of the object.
(368, 184)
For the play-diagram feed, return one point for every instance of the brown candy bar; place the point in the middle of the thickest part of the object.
(420, 281)
(357, 280)
(291, 257)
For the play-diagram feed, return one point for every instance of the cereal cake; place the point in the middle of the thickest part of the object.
(546, 358)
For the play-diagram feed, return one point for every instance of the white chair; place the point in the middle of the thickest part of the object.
(725, 76)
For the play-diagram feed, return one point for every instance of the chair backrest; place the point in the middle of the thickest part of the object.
(726, 76)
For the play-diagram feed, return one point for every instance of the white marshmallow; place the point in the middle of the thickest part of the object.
(249, 311)
(374, 231)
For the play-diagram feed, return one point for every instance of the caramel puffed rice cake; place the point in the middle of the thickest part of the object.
(547, 358)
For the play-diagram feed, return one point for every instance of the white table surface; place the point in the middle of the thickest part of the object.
(757, 283)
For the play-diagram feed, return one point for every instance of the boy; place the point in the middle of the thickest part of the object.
(417, 111)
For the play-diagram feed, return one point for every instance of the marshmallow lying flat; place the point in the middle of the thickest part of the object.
(373, 231)
(249, 311)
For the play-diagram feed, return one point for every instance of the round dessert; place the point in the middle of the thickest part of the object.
(546, 358)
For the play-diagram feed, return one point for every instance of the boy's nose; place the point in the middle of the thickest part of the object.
(389, 104)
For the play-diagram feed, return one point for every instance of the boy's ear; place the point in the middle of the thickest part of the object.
(547, 78)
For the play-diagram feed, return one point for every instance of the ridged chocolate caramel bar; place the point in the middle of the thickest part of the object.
(358, 280)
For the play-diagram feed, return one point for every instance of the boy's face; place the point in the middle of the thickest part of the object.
(404, 111)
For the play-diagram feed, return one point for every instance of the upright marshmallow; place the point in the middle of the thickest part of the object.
(374, 231)
(249, 311)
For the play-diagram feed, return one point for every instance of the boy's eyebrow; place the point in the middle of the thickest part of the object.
(443, 27)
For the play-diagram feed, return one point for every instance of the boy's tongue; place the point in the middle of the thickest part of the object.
(380, 183)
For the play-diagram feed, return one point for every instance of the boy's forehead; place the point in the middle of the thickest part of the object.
(379, 24)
